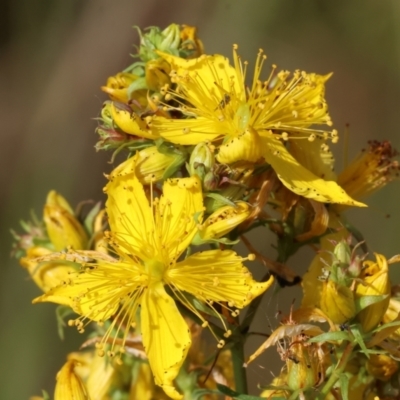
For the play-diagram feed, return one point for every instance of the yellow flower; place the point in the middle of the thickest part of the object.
(373, 169)
(375, 282)
(69, 385)
(148, 240)
(252, 122)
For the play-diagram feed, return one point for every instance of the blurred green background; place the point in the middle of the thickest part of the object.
(56, 54)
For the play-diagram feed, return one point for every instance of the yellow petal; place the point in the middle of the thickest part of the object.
(46, 274)
(129, 212)
(246, 146)
(217, 275)
(212, 76)
(315, 156)
(98, 292)
(69, 386)
(166, 337)
(376, 283)
(225, 219)
(300, 180)
(180, 210)
(189, 131)
(131, 123)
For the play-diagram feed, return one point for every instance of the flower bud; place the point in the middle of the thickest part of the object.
(120, 87)
(375, 282)
(46, 274)
(381, 366)
(221, 222)
(191, 45)
(201, 161)
(157, 74)
(337, 302)
(63, 228)
(153, 166)
(303, 366)
(167, 41)
(69, 385)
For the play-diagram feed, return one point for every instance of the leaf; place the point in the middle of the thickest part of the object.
(331, 336)
(366, 301)
(360, 340)
(229, 392)
(62, 312)
(344, 386)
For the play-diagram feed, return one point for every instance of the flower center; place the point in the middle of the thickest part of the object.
(155, 270)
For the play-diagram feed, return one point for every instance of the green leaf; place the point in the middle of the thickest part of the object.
(388, 325)
(331, 336)
(365, 301)
(344, 386)
(360, 340)
(229, 392)
(220, 198)
(62, 312)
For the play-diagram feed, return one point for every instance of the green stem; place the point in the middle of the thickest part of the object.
(337, 372)
(239, 371)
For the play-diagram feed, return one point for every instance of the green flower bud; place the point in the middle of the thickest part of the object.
(201, 161)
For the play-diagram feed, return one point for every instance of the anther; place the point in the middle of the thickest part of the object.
(221, 344)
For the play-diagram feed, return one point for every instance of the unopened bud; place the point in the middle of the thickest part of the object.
(63, 228)
(303, 367)
(337, 302)
(153, 166)
(201, 161)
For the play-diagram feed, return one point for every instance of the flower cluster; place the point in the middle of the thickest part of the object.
(213, 150)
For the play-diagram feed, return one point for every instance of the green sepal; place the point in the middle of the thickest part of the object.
(45, 395)
(62, 312)
(366, 301)
(331, 336)
(137, 85)
(88, 223)
(198, 241)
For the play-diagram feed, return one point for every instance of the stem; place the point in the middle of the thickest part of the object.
(337, 372)
(239, 371)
